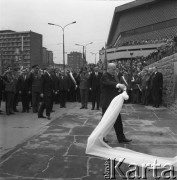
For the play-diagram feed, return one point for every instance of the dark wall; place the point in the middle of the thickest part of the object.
(36, 48)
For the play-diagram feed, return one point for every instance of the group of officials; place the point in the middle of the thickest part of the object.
(42, 87)
(144, 87)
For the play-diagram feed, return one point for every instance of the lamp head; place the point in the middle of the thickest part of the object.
(51, 24)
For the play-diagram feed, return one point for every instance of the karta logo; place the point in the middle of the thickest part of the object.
(133, 171)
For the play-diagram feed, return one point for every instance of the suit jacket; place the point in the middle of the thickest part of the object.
(24, 84)
(136, 82)
(35, 81)
(157, 81)
(10, 84)
(1, 87)
(108, 89)
(94, 81)
(63, 83)
(55, 81)
(46, 85)
(84, 81)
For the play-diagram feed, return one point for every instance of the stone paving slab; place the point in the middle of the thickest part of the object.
(59, 151)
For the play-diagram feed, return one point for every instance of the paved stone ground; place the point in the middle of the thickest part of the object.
(59, 151)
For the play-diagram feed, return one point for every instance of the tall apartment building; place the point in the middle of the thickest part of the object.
(75, 60)
(50, 57)
(20, 48)
(44, 56)
(47, 57)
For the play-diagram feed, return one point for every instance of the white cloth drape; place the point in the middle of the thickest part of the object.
(96, 146)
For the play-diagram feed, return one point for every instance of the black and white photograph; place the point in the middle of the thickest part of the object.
(88, 89)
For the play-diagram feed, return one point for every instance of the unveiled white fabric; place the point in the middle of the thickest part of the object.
(96, 146)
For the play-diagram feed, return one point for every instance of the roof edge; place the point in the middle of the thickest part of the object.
(132, 4)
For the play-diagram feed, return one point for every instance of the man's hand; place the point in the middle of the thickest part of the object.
(42, 95)
(121, 86)
(90, 89)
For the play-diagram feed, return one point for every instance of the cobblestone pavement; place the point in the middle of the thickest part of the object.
(59, 151)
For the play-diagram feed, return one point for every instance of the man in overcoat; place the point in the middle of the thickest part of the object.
(109, 88)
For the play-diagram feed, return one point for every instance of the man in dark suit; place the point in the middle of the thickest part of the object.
(54, 79)
(157, 87)
(109, 85)
(34, 79)
(24, 88)
(16, 95)
(64, 87)
(94, 86)
(56, 86)
(84, 87)
(46, 91)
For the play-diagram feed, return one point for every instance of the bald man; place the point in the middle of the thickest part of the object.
(109, 90)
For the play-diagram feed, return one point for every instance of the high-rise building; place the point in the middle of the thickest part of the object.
(75, 60)
(50, 57)
(47, 57)
(44, 56)
(20, 48)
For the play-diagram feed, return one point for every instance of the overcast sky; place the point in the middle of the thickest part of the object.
(93, 19)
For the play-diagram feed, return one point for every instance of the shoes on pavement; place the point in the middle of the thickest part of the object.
(82, 108)
(41, 117)
(92, 109)
(125, 140)
(52, 111)
(48, 117)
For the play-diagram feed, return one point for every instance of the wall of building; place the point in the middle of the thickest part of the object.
(50, 57)
(44, 56)
(143, 20)
(168, 67)
(75, 60)
(36, 48)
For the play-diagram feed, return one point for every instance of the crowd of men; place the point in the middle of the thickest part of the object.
(39, 89)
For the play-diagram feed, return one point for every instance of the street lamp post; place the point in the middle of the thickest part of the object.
(84, 47)
(63, 29)
(95, 56)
